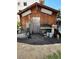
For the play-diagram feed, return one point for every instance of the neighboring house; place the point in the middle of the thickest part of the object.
(37, 15)
(22, 4)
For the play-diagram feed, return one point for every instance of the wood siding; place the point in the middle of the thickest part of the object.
(44, 18)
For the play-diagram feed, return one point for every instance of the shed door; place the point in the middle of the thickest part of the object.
(36, 24)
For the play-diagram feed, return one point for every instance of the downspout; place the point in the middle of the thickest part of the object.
(20, 20)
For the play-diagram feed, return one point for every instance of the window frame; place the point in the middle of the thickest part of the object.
(25, 3)
(18, 3)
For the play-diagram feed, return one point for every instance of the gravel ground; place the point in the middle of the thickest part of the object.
(27, 51)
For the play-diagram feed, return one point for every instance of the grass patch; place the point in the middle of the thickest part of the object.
(55, 55)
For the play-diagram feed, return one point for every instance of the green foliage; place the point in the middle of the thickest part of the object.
(59, 14)
(55, 55)
(18, 24)
(50, 56)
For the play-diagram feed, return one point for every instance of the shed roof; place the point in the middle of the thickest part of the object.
(37, 4)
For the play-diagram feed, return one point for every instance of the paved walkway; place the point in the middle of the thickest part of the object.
(37, 39)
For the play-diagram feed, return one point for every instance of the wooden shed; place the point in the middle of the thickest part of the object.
(36, 15)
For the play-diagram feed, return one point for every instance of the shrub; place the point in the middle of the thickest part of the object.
(18, 25)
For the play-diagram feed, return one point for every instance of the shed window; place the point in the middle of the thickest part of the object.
(25, 3)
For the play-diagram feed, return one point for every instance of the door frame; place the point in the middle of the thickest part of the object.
(35, 24)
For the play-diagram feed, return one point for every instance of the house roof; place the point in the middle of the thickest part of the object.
(36, 4)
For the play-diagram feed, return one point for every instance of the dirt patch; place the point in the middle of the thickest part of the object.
(26, 51)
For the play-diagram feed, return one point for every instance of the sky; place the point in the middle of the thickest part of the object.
(56, 4)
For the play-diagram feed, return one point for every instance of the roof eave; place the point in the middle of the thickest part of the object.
(37, 4)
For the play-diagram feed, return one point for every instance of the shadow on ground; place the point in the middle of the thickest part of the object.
(38, 40)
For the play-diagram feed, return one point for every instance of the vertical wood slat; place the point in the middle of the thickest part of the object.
(44, 18)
